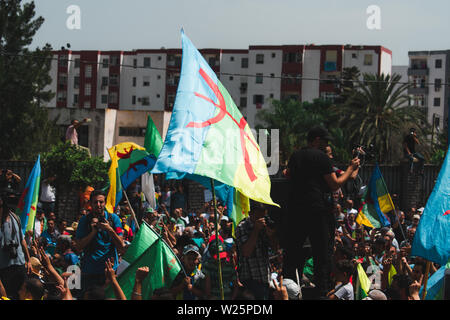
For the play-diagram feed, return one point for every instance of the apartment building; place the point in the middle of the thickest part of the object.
(146, 80)
(428, 71)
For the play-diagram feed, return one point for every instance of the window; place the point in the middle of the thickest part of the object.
(147, 62)
(271, 96)
(158, 95)
(62, 96)
(258, 99)
(244, 63)
(77, 63)
(104, 82)
(115, 60)
(135, 63)
(88, 71)
(134, 81)
(159, 58)
(231, 58)
(437, 85)
(231, 78)
(243, 87)
(75, 99)
(260, 58)
(146, 81)
(437, 102)
(104, 99)
(438, 64)
(87, 89)
(105, 63)
(212, 61)
(113, 97)
(292, 57)
(63, 61)
(367, 59)
(243, 102)
(330, 60)
(274, 54)
(62, 80)
(259, 78)
(145, 101)
(158, 76)
(113, 79)
(76, 82)
(354, 56)
(132, 132)
(133, 100)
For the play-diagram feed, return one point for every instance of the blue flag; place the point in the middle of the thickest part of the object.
(432, 238)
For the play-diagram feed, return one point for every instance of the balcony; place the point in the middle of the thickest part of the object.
(418, 71)
(418, 90)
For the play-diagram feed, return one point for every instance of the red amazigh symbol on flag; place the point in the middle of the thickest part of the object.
(125, 155)
(21, 204)
(134, 164)
(446, 213)
(223, 111)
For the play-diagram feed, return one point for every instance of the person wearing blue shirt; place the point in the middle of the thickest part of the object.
(99, 236)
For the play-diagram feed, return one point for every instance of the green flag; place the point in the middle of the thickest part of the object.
(153, 141)
(147, 250)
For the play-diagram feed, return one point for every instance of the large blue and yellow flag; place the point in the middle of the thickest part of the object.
(376, 202)
(208, 136)
(128, 162)
(432, 237)
(29, 199)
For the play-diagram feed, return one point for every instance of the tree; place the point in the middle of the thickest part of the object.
(294, 119)
(72, 167)
(24, 125)
(375, 114)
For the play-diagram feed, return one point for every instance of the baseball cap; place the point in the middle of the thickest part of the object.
(320, 132)
(190, 248)
(292, 289)
(416, 216)
(149, 210)
(376, 295)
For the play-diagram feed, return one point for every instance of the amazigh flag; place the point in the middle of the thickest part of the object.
(147, 250)
(153, 144)
(435, 284)
(128, 161)
(29, 198)
(376, 202)
(207, 134)
(432, 237)
(362, 283)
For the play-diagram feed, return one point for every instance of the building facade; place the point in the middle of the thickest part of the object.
(428, 72)
(146, 80)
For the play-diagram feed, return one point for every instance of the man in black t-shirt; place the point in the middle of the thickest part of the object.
(312, 181)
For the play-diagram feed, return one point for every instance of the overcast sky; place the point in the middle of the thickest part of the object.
(406, 25)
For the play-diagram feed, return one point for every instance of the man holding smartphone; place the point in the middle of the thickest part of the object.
(100, 237)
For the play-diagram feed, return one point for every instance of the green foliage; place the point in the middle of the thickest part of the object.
(373, 114)
(294, 118)
(72, 166)
(24, 125)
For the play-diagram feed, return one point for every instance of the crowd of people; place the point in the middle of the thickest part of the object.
(256, 262)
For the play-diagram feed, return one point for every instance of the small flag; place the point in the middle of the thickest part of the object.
(147, 250)
(29, 198)
(376, 203)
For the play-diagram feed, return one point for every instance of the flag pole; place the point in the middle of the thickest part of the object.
(131, 208)
(217, 239)
(425, 281)
(392, 204)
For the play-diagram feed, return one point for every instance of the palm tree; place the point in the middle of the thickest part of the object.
(377, 113)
